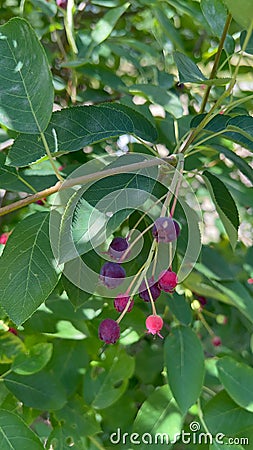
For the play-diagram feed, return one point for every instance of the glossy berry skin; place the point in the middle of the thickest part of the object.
(154, 289)
(167, 281)
(109, 331)
(62, 3)
(120, 303)
(154, 324)
(117, 247)
(112, 274)
(4, 238)
(216, 341)
(165, 229)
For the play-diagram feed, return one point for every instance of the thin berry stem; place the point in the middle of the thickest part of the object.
(151, 298)
(173, 186)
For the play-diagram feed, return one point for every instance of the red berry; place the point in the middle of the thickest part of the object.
(165, 229)
(112, 274)
(109, 331)
(13, 331)
(4, 238)
(120, 303)
(250, 280)
(216, 341)
(167, 281)
(154, 290)
(41, 202)
(117, 247)
(154, 324)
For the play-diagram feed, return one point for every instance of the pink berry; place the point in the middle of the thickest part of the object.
(154, 324)
(167, 281)
(165, 229)
(109, 331)
(4, 238)
(250, 280)
(117, 247)
(121, 301)
(216, 341)
(112, 274)
(62, 3)
(154, 290)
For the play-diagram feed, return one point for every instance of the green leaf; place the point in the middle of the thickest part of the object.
(76, 415)
(15, 434)
(160, 96)
(168, 27)
(190, 73)
(184, 360)
(225, 205)
(68, 360)
(34, 360)
(77, 296)
(239, 162)
(10, 347)
(25, 81)
(180, 308)
(160, 415)
(105, 383)
(244, 14)
(105, 25)
(102, 207)
(42, 391)
(237, 379)
(221, 413)
(243, 130)
(80, 126)
(249, 48)
(28, 273)
(215, 13)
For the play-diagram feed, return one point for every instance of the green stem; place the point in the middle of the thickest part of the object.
(5, 373)
(71, 182)
(201, 417)
(26, 183)
(212, 113)
(174, 184)
(204, 140)
(60, 178)
(216, 62)
(69, 26)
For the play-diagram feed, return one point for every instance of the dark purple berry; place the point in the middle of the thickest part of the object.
(109, 331)
(165, 229)
(117, 247)
(121, 301)
(112, 274)
(154, 290)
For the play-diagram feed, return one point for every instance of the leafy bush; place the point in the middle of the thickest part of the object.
(129, 121)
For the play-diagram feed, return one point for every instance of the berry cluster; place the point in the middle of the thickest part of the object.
(112, 274)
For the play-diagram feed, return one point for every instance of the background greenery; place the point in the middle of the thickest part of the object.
(144, 68)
